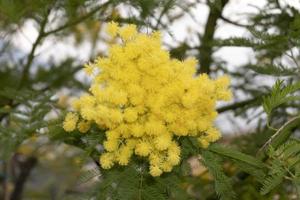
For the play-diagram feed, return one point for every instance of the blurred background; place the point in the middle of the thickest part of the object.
(44, 44)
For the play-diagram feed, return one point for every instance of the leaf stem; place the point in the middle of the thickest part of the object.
(30, 57)
(141, 182)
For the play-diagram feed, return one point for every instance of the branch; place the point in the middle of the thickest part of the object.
(240, 104)
(281, 135)
(4, 183)
(43, 34)
(33, 49)
(163, 12)
(205, 50)
(79, 20)
(25, 169)
(233, 23)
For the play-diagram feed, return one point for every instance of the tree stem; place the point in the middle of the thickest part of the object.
(25, 169)
(206, 48)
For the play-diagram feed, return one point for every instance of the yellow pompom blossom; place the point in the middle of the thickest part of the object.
(145, 100)
(88, 68)
(84, 126)
(70, 122)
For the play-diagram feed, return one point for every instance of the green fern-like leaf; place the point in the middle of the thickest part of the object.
(237, 42)
(223, 185)
(257, 173)
(171, 184)
(279, 95)
(152, 193)
(236, 156)
(26, 117)
(88, 175)
(284, 162)
(274, 70)
(275, 178)
(119, 183)
(189, 147)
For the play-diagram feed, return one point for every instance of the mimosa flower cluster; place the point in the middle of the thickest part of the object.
(146, 101)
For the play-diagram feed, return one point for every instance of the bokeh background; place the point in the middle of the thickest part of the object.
(44, 45)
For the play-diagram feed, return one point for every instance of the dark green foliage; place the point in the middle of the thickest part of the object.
(236, 155)
(14, 11)
(280, 94)
(257, 173)
(65, 75)
(284, 163)
(146, 7)
(223, 184)
(87, 142)
(134, 182)
(190, 147)
(23, 120)
(246, 163)
(275, 70)
(119, 183)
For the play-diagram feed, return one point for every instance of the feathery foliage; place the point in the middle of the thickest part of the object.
(223, 183)
(283, 164)
(280, 94)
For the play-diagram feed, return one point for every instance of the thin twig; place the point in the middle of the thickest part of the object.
(79, 20)
(240, 104)
(163, 12)
(233, 22)
(4, 183)
(206, 48)
(141, 183)
(25, 170)
(291, 123)
(30, 57)
(293, 58)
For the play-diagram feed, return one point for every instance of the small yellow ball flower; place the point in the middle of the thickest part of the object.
(112, 29)
(130, 115)
(124, 155)
(106, 160)
(155, 171)
(89, 69)
(137, 130)
(76, 104)
(203, 142)
(110, 135)
(162, 142)
(166, 166)
(70, 122)
(84, 126)
(173, 158)
(128, 32)
(212, 134)
(143, 149)
(111, 145)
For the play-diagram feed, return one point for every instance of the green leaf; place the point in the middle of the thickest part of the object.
(283, 163)
(223, 184)
(152, 193)
(236, 155)
(279, 95)
(258, 174)
(280, 136)
(273, 181)
(273, 70)
(88, 175)
(189, 147)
